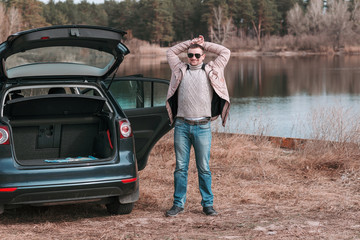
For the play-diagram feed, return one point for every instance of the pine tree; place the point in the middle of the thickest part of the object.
(283, 6)
(242, 13)
(154, 21)
(187, 19)
(266, 18)
(53, 15)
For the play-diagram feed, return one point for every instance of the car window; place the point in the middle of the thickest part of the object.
(89, 92)
(62, 54)
(39, 91)
(139, 94)
(30, 92)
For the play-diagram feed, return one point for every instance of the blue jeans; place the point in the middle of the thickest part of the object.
(200, 137)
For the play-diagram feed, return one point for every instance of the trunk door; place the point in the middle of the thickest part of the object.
(143, 101)
(62, 51)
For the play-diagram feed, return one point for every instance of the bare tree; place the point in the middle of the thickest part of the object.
(337, 22)
(296, 21)
(314, 17)
(14, 20)
(355, 16)
(11, 21)
(222, 28)
(3, 21)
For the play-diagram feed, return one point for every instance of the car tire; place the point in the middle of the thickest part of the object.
(116, 208)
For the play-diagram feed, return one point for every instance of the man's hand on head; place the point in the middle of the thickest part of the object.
(199, 40)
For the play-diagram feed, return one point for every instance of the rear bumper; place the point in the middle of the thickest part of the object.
(57, 194)
(55, 184)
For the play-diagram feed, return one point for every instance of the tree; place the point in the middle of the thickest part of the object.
(354, 9)
(123, 15)
(162, 27)
(187, 21)
(31, 12)
(11, 21)
(69, 9)
(242, 13)
(154, 21)
(314, 16)
(266, 18)
(283, 6)
(310, 21)
(91, 14)
(296, 21)
(337, 22)
(221, 28)
(3, 20)
(218, 18)
(14, 21)
(53, 15)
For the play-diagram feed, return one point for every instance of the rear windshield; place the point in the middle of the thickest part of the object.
(63, 54)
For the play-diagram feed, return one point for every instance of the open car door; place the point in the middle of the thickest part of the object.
(143, 101)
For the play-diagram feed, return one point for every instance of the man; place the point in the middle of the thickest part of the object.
(197, 94)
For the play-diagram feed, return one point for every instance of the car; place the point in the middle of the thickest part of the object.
(71, 130)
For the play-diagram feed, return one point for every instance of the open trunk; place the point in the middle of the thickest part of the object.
(60, 129)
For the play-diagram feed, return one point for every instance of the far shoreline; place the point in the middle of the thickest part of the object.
(156, 51)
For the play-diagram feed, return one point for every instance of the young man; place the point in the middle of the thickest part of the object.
(197, 94)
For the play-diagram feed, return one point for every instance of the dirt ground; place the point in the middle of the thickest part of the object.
(261, 192)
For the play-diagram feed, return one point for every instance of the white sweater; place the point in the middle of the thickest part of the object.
(195, 94)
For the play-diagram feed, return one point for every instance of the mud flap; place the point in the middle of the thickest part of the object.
(1, 209)
(131, 197)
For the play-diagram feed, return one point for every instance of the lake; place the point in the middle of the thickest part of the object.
(298, 96)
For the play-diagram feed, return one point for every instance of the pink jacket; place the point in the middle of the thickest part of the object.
(220, 104)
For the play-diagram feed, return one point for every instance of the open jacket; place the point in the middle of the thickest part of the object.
(220, 103)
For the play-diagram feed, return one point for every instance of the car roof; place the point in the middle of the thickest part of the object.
(96, 38)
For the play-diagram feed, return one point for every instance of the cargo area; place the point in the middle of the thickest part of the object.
(60, 129)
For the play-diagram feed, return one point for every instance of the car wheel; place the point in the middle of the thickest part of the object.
(115, 207)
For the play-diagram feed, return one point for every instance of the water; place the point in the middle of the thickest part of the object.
(303, 96)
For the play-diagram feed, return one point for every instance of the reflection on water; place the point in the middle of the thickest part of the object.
(156, 67)
(289, 76)
(281, 96)
(300, 116)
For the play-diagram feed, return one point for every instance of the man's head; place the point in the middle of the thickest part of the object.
(195, 54)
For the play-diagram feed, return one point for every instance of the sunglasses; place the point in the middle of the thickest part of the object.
(197, 55)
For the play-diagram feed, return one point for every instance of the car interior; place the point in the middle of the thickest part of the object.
(50, 126)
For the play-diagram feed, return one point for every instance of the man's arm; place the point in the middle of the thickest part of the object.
(222, 52)
(172, 53)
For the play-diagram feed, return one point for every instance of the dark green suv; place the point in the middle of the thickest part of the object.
(70, 130)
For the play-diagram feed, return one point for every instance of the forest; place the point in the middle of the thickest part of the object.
(265, 25)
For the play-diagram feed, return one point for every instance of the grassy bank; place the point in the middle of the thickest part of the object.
(261, 191)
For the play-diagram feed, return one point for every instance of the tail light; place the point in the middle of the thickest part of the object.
(125, 129)
(4, 135)
(129, 180)
(8, 189)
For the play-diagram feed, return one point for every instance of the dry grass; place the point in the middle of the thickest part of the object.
(352, 49)
(261, 191)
